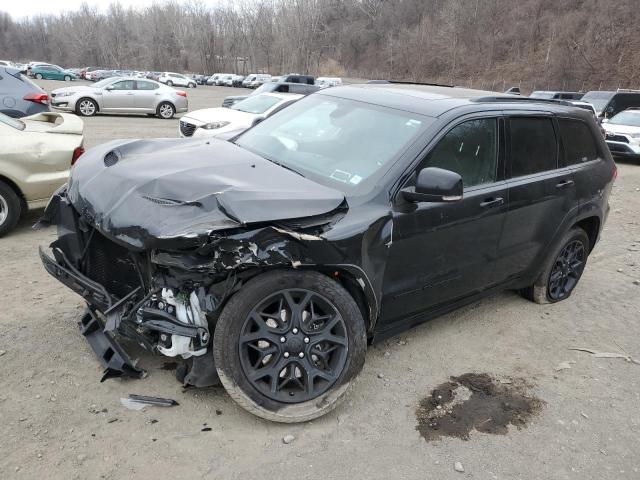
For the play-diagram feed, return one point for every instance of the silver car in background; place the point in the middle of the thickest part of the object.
(121, 95)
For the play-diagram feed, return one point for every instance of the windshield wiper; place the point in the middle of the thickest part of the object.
(284, 166)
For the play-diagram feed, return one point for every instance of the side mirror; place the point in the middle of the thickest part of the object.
(109, 88)
(435, 185)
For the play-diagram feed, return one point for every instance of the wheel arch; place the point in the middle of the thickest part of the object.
(14, 186)
(591, 225)
(94, 100)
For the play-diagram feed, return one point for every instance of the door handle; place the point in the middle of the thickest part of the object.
(492, 202)
(565, 184)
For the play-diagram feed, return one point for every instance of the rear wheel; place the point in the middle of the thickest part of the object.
(166, 110)
(86, 107)
(562, 270)
(169, 83)
(39, 76)
(289, 344)
(192, 85)
(67, 78)
(10, 208)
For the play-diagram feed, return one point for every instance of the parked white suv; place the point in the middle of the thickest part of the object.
(177, 79)
(622, 132)
(259, 80)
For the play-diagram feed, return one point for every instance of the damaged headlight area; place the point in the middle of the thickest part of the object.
(166, 301)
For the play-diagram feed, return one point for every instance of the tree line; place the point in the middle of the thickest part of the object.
(491, 44)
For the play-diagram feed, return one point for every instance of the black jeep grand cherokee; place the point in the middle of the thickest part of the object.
(271, 259)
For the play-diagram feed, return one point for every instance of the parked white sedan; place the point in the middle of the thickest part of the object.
(36, 154)
(211, 122)
(121, 95)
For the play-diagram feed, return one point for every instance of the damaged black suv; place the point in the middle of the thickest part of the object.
(270, 260)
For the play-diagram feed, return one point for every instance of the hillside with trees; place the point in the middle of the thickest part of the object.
(495, 44)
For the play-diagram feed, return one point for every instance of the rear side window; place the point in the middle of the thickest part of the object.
(577, 142)
(533, 146)
(142, 85)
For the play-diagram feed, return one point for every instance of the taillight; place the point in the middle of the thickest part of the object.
(37, 98)
(615, 172)
(77, 152)
(181, 93)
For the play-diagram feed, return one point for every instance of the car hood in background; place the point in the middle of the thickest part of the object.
(172, 193)
(625, 129)
(219, 114)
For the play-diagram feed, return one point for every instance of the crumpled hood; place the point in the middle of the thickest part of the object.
(150, 193)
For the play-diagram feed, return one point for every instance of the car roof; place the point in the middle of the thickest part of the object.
(281, 95)
(435, 100)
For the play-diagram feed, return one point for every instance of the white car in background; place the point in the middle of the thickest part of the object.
(324, 82)
(36, 154)
(622, 133)
(213, 78)
(211, 122)
(259, 80)
(177, 79)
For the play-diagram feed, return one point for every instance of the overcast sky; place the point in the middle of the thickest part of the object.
(22, 8)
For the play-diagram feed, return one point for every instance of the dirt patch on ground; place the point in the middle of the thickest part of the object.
(475, 401)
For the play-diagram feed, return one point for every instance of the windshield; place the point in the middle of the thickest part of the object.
(256, 104)
(265, 87)
(102, 83)
(338, 142)
(599, 100)
(626, 118)
(12, 122)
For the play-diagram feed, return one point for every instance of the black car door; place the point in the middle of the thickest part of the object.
(541, 193)
(444, 251)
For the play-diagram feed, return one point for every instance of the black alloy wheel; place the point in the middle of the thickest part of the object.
(566, 271)
(293, 346)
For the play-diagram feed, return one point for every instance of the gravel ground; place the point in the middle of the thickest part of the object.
(58, 421)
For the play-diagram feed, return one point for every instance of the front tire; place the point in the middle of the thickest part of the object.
(86, 107)
(166, 111)
(169, 83)
(562, 269)
(10, 208)
(289, 344)
(67, 78)
(38, 76)
(192, 85)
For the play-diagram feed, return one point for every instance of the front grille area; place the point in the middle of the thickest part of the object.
(187, 128)
(111, 265)
(617, 138)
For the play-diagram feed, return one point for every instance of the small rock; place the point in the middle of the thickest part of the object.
(38, 397)
(584, 415)
(17, 469)
(620, 270)
(288, 439)
(458, 467)
(39, 455)
(111, 420)
(380, 375)
(22, 419)
(636, 282)
(2, 352)
(439, 407)
(82, 457)
(387, 354)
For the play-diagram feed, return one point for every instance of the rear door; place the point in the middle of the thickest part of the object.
(146, 95)
(541, 193)
(119, 96)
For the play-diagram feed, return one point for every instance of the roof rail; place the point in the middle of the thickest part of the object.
(629, 90)
(520, 99)
(403, 82)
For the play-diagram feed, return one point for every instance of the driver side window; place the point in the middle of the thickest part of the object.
(123, 85)
(470, 150)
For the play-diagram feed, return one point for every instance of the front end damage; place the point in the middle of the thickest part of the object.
(166, 300)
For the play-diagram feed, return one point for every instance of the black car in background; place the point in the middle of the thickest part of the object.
(609, 103)
(19, 96)
(270, 260)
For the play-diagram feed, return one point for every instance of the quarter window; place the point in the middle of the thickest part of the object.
(469, 149)
(142, 85)
(533, 146)
(577, 141)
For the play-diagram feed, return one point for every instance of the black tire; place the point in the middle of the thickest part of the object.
(166, 111)
(67, 78)
(191, 85)
(543, 291)
(10, 208)
(86, 107)
(235, 316)
(38, 76)
(169, 83)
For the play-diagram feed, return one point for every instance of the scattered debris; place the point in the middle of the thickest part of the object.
(2, 352)
(112, 420)
(205, 429)
(597, 354)
(584, 415)
(636, 282)
(475, 401)
(564, 365)
(138, 402)
(380, 375)
(458, 467)
(288, 439)
(218, 412)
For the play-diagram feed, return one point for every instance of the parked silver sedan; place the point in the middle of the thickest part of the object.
(121, 95)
